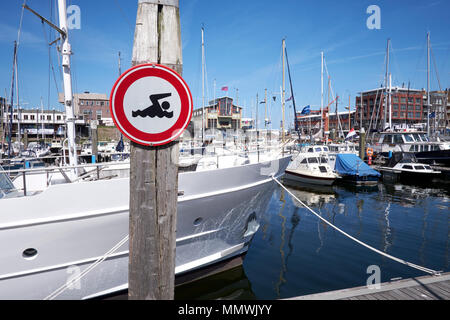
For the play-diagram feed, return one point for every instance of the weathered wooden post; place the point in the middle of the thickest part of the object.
(94, 140)
(154, 171)
(362, 143)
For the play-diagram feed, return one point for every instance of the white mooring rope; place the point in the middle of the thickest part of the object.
(68, 284)
(424, 269)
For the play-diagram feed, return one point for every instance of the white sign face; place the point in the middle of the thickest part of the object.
(151, 104)
(138, 99)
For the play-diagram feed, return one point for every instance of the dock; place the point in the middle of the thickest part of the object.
(420, 288)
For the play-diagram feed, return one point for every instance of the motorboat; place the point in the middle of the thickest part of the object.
(404, 167)
(417, 142)
(311, 168)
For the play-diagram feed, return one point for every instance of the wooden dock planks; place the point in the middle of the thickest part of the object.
(421, 288)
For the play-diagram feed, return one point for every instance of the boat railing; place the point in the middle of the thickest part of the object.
(87, 172)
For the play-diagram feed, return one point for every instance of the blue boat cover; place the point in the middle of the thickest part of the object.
(351, 164)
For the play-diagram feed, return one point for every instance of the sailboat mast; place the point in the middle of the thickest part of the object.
(67, 80)
(283, 93)
(386, 84)
(321, 94)
(265, 109)
(203, 86)
(12, 101)
(390, 101)
(428, 84)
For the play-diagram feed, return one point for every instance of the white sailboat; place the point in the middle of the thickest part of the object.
(59, 224)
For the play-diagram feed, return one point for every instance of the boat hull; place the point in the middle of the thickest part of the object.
(308, 179)
(216, 220)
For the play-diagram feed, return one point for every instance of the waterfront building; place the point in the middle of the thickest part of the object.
(91, 106)
(220, 114)
(408, 107)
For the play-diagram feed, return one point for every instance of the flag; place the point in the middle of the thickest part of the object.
(262, 102)
(224, 88)
(120, 146)
(274, 98)
(306, 110)
(432, 115)
(289, 99)
(351, 134)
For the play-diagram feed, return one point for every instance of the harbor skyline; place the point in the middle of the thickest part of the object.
(242, 52)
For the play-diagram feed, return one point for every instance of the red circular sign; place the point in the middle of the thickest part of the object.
(151, 104)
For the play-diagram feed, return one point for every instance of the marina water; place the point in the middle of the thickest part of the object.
(294, 253)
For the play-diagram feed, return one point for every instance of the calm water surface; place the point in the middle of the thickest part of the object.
(294, 253)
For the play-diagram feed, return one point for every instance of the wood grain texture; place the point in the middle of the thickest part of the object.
(154, 170)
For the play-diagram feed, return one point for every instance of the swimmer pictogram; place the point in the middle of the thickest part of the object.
(156, 109)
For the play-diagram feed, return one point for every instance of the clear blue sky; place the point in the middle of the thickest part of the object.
(243, 47)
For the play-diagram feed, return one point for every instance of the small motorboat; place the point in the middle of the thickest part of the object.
(404, 167)
(311, 168)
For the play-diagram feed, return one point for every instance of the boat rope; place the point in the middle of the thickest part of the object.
(424, 269)
(70, 283)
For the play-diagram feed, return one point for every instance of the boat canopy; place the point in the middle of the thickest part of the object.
(351, 164)
(400, 157)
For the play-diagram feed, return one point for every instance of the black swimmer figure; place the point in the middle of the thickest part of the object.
(156, 109)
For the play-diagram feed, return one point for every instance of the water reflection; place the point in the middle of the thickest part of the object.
(295, 253)
(232, 284)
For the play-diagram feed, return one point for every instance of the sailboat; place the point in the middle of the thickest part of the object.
(63, 223)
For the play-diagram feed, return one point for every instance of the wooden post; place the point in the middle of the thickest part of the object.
(362, 143)
(94, 140)
(154, 171)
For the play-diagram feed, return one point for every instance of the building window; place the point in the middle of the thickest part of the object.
(102, 103)
(42, 117)
(395, 114)
(418, 100)
(97, 103)
(403, 99)
(403, 114)
(81, 103)
(403, 106)
(99, 114)
(15, 117)
(418, 115)
(410, 114)
(32, 117)
(58, 118)
(410, 100)
(394, 99)
(49, 118)
(25, 117)
(395, 106)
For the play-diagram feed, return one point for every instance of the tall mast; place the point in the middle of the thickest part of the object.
(12, 101)
(283, 93)
(66, 52)
(321, 95)
(390, 101)
(43, 119)
(203, 86)
(120, 65)
(386, 84)
(428, 84)
(265, 109)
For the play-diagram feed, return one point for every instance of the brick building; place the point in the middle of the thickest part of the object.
(91, 106)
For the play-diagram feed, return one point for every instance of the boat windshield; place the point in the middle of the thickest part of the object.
(419, 168)
(424, 137)
(417, 137)
(5, 183)
(313, 160)
(409, 138)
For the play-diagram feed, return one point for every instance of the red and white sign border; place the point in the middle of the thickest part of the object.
(117, 111)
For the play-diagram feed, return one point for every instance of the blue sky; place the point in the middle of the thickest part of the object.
(243, 47)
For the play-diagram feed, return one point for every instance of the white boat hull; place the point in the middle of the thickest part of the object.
(308, 179)
(218, 215)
